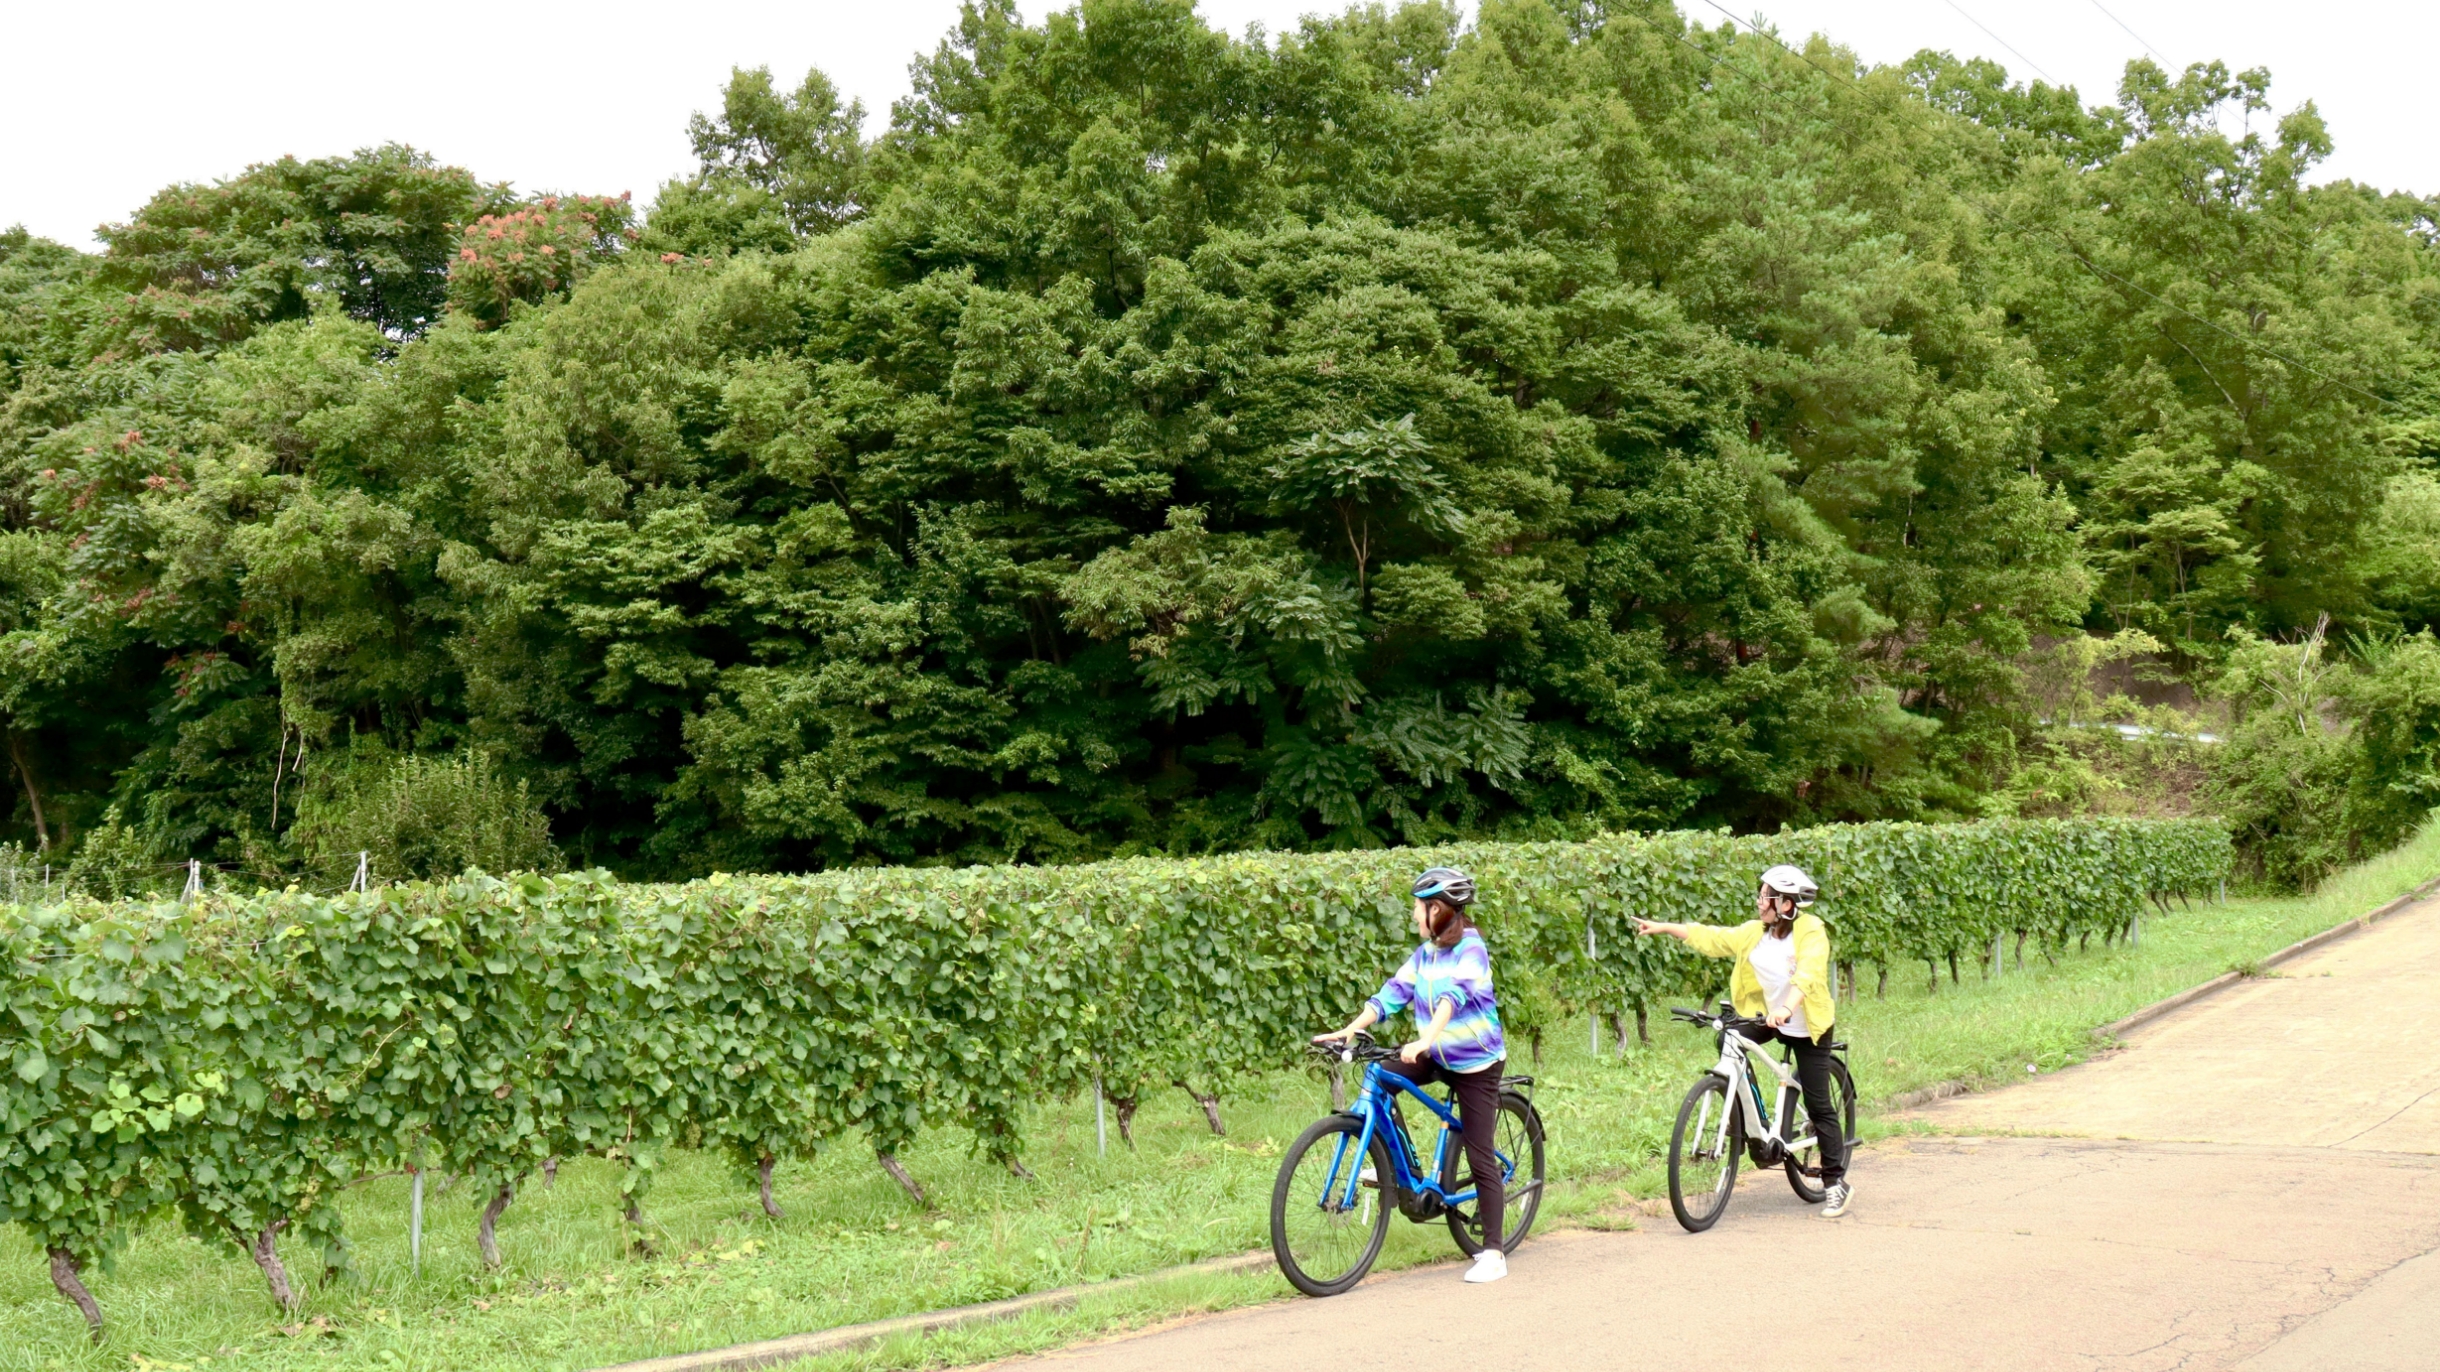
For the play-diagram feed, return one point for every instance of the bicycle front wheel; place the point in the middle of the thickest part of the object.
(1805, 1163)
(1518, 1139)
(1703, 1151)
(1325, 1239)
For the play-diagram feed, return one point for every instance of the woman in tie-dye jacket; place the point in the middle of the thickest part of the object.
(1448, 982)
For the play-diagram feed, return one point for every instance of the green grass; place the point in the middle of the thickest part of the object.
(853, 1248)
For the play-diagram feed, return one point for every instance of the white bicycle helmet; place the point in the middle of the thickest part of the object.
(1791, 881)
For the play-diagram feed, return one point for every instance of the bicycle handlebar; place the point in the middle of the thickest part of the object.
(1725, 1019)
(1361, 1048)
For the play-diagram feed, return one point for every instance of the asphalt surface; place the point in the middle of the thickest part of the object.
(2253, 1182)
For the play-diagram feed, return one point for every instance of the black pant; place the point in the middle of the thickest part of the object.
(1813, 1074)
(1478, 1112)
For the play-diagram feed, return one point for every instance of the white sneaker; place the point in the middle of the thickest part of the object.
(1489, 1265)
(1835, 1200)
(1370, 1178)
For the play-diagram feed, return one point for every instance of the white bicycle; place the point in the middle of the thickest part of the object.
(1724, 1117)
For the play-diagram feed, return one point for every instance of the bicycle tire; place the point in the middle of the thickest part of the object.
(1357, 1233)
(1842, 1100)
(1519, 1139)
(1714, 1178)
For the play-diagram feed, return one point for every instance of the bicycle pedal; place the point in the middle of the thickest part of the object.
(1370, 1178)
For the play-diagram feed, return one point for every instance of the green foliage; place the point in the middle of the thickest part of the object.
(241, 1059)
(773, 167)
(101, 1070)
(2329, 762)
(802, 149)
(419, 817)
(116, 861)
(370, 234)
(535, 252)
(1397, 430)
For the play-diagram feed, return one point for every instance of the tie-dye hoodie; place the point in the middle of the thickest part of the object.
(1472, 1040)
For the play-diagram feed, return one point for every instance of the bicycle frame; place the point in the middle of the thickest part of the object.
(1745, 1099)
(1373, 1105)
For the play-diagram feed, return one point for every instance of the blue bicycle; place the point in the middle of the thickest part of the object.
(1330, 1207)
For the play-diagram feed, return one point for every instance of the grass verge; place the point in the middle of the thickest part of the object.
(852, 1248)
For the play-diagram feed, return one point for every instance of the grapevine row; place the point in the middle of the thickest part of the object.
(240, 1060)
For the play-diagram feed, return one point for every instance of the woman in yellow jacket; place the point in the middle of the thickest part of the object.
(1782, 978)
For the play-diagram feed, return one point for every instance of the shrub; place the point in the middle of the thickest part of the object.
(116, 861)
(420, 817)
(2327, 762)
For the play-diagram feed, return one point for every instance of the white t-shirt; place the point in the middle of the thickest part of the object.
(1774, 962)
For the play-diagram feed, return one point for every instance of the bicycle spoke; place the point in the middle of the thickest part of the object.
(1330, 1223)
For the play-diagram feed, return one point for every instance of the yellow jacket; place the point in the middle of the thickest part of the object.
(1812, 979)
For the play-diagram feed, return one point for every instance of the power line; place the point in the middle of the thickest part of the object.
(2265, 220)
(1752, 27)
(2147, 47)
(1986, 28)
(2256, 344)
(1718, 61)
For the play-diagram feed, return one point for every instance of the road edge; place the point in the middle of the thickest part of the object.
(849, 1337)
(2120, 1028)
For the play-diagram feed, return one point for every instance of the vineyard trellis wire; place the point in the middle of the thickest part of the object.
(238, 1060)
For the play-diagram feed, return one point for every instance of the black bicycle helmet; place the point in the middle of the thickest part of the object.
(1445, 883)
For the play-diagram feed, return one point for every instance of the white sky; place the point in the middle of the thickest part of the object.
(105, 103)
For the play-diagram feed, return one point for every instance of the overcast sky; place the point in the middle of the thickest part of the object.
(104, 103)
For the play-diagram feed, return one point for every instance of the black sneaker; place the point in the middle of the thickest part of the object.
(1834, 1199)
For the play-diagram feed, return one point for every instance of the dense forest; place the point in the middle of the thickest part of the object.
(1149, 439)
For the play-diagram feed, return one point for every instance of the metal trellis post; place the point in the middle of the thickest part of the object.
(1592, 1018)
(1101, 1125)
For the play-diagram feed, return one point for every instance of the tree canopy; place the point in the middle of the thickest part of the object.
(1157, 440)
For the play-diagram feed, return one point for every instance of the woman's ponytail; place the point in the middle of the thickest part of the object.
(1448, 922)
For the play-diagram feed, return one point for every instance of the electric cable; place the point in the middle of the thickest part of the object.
(2147, 47)
(2011, 47)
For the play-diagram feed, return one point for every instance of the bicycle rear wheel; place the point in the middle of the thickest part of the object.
(1804, 1164)
(1518, 1137)
(1703, 1151)
(1323, 1243)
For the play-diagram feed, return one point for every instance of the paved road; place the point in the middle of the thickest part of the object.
(2254, 1183)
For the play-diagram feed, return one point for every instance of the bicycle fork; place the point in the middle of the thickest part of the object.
(1366, 1105)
